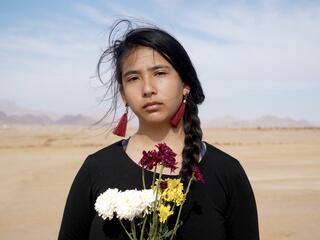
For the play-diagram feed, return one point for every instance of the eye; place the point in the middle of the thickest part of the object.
(132, 78)
(160, 73)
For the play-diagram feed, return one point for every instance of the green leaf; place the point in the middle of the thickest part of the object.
(168, 234)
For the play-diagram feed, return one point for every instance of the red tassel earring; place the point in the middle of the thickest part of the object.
(179, 114)
(121, 128)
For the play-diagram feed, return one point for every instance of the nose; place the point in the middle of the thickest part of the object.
(148, 88)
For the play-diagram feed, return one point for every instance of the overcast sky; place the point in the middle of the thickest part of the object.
(253, 57)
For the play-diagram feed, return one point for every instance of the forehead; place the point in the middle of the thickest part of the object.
(142, 57)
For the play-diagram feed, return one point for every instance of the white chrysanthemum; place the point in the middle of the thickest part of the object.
(148, 197)
(134, 203)
(105, 204)
(127, 205)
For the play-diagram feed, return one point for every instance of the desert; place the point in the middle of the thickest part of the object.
(38, 165)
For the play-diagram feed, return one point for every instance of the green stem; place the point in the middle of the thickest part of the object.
(154, 175)
(154, 216)
(143, 180)
(133, 229)
(143, 226)
(129, 235)
(160, 230)
(152, 184)
(179, 213)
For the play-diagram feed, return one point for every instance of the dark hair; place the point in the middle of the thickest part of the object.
(150, 36)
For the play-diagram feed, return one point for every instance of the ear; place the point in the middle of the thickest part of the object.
(186, 89)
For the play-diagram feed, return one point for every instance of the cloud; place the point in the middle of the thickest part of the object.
(256, 44)
(93, 13)
(243, 52)
(49, 64)
(253, 58)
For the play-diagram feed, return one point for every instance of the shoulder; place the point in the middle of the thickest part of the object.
(225, 169)
(220, 165)
(217, 158)
(102, 156)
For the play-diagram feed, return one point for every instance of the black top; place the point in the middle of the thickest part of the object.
(222, 208)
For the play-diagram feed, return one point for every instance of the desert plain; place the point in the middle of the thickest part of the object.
(38, 164)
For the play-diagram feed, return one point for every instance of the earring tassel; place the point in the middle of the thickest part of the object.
(179, 114)
(120, 130)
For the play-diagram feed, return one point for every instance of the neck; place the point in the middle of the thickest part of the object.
(151, 134)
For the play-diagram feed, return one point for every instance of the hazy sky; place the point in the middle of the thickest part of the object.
(252, 57)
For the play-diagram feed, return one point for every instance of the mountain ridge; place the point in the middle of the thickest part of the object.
(14, 114)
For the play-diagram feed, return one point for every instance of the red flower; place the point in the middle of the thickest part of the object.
(163, 185)
(197, 174)
(167, 156)
(149, 159)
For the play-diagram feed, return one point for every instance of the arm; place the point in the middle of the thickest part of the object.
(78, 212)
(242, 217)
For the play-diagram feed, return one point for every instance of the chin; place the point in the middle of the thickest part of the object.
(155, 119)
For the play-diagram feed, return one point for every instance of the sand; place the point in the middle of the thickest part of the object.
(38, 164)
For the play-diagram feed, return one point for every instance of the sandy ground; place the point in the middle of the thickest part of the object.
(37, 166)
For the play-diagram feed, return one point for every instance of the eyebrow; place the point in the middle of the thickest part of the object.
(150, 69)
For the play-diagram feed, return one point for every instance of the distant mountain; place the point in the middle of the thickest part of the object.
(27, 119)
(75, 120)
(43, 120)
(266, 121)
(11, 108)
(269, 121)
(12, 113)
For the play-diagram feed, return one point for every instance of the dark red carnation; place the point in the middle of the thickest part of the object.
(197, 174)
(166, 156)
(163, 185)
(149, 159)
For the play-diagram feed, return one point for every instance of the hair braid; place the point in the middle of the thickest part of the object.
(192, 141)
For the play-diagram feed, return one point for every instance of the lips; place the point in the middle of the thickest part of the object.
(151, 104)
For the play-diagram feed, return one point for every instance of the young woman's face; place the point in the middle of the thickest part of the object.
(147, 77)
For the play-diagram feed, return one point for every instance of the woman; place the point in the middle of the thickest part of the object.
(157, 81)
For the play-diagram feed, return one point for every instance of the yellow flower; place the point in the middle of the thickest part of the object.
(174, 192)
(164, 212)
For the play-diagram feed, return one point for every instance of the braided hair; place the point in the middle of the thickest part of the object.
(169, 48)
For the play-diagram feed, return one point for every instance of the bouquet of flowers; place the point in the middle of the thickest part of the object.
(148, 210)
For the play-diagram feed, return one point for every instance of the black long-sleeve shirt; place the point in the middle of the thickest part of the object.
(222, 208)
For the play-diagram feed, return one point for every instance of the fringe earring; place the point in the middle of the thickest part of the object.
(121, 128)
(179, 114)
